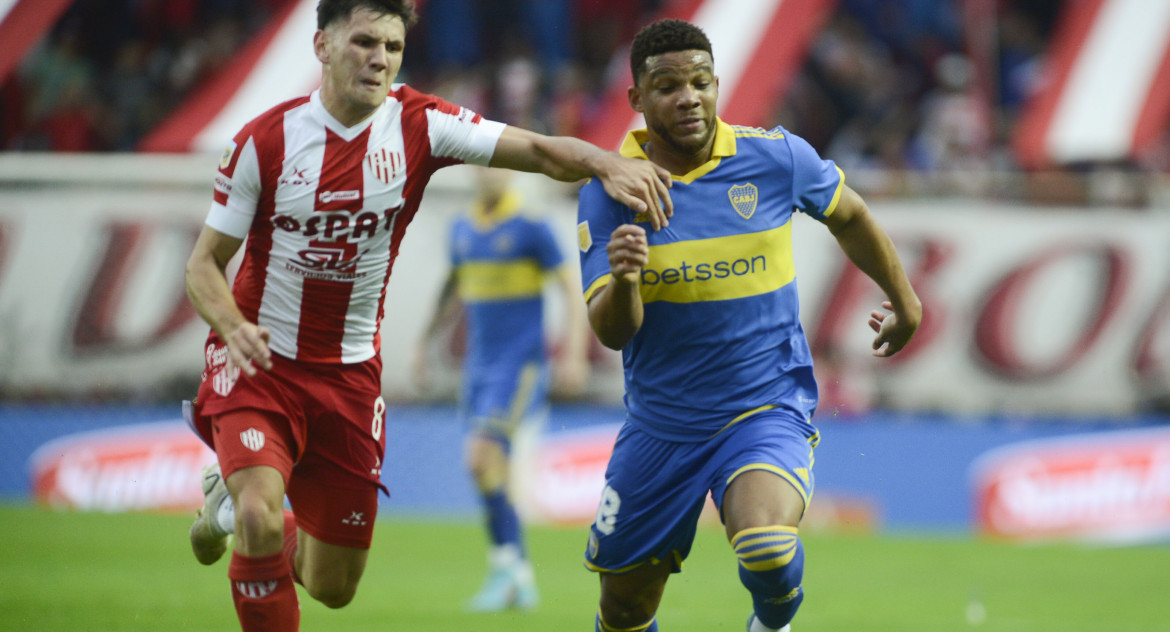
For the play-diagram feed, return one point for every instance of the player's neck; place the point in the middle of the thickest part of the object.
(346, 113)
(675, 160)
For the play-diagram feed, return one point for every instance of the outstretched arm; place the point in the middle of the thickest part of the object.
(869, 247)
(638, 184)
(207, 287)
(615, 311)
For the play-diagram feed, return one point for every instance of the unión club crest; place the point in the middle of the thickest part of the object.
(252, 439)
(385, 164)
(743, 198)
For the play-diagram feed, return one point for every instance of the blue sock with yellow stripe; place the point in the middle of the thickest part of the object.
(771, 565)
(649, 626)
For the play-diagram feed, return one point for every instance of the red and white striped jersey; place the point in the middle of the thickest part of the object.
(324, 208)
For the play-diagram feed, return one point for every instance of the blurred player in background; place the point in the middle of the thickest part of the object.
(500, 258)
(719, 381)
(322, 187)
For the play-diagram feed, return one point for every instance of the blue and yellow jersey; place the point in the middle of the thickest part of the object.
(721, 337)
(500, 261)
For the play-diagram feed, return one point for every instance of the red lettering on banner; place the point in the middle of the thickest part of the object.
(1151, 358)
(998, 320)
(1103, 485)
(97, 322)
(146, 466)
(570, 473)
(846, 305)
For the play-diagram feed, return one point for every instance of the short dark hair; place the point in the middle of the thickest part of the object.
(329, 11)
(665, 36)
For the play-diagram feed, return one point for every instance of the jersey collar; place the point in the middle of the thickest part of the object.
(508, 207)
(346, 133)
(723, 146)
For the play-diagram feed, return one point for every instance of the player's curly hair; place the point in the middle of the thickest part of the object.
(665, 36)
(329, 11)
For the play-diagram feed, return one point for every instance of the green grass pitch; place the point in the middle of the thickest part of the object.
(129, 572)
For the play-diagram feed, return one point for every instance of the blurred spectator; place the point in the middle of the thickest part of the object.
(110, 70)
(953, 139)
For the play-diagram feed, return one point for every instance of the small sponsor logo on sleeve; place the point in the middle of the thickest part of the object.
(223, 184)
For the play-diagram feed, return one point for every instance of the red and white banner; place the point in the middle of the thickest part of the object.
(761, 39)
(1103, 94)
(1043, 310)
(23, 23)
(1098, 486)
(276, 65)
(144, 466)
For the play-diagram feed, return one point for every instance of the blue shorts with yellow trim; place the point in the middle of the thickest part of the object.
(656, 489)
(494, 403)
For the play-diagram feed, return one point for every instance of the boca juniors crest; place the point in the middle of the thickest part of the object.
(385, 164)
(743, 199)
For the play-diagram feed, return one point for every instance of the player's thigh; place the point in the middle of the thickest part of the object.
(766, 476)
(335, 526)
(760, 498)
(329, 569)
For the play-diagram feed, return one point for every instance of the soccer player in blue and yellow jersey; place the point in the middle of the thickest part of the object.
(500, 259)
(719, 381)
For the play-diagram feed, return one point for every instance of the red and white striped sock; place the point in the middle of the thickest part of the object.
(264, 594)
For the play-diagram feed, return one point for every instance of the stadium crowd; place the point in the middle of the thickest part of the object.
(885, 84)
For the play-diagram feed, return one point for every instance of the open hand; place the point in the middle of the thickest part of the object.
(248, 348)
(640, 185)
(892, 332)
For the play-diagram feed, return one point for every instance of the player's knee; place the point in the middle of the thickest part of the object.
(259, 524)
(488, 465)
(629, 615)
(771, 560)
(331, 594)
(627, 609)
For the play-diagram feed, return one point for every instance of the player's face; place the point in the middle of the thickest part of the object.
(676, 96)
(360, 59)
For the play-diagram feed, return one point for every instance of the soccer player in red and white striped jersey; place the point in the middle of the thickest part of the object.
(321, 190)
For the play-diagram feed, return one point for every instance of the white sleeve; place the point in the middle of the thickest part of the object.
(233, 216)
(462, 137)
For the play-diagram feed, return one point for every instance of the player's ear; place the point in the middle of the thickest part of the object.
(634, 96)
(321, 46)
